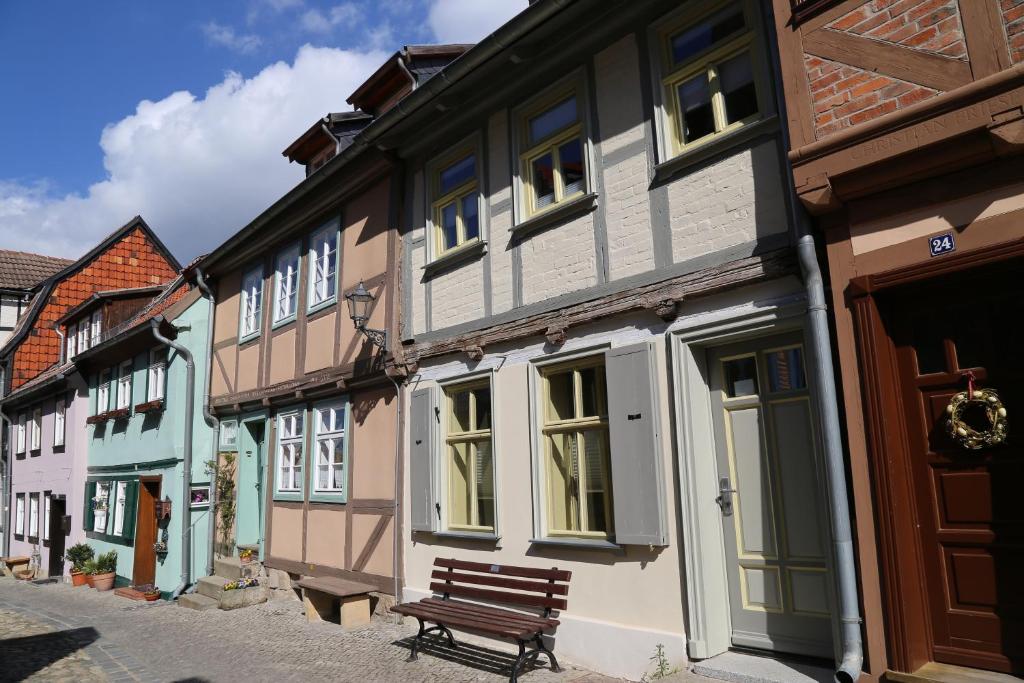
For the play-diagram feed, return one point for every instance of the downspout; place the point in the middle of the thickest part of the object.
(852, 659)
(399, 440)
(210, 418)
(400, 60)
(8, 475)
(186, 479)
(63, 348)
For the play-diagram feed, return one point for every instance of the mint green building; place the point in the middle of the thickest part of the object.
(147, 488)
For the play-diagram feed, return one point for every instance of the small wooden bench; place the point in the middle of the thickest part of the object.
(531, 589)
(320, 594)
(14, 564)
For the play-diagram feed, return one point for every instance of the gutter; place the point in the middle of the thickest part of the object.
(211, 421)
(186, 478)
(851, 661)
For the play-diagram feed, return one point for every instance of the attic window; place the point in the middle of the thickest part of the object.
(319, 160)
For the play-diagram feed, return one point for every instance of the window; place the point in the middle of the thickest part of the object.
(20, 434)
(121, 491)
(251, 303)
(575, 447)
(229, 435)
(468, 459)
(124, 385)
(83, 335)
(456, 210)
(33, 515)
(289, 452)
(286, 276)
(99, 506)
(46, 515)
(103, 392)
(37, 428)
(157, 375)
(710, 85)
(97, 327)
(323, 265)
(330, 447)
(552, 166)
(71, 339)
(59, 421)
(199, 496)
(19, 514)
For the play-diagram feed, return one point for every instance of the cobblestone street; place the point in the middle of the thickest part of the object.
(59, 633)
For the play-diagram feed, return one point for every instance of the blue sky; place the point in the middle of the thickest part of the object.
(178, 110)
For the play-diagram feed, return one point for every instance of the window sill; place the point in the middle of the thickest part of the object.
(666, 170)
(120, 413)
(327, 303)
(251, 337)
(581, 543)
(289, 496)
(321, 497)
(483, 537)
(561, 212)
(153, 406)
(282, 322)
(109, 538)
(461, 254)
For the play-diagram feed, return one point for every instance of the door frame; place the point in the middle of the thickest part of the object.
(904, 596)
(709, 631)
(142, 481)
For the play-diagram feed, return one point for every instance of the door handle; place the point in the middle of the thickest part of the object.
(724, 498)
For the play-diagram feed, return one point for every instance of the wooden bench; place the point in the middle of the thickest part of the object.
(14, 564)
(320, 594)
(530, 589)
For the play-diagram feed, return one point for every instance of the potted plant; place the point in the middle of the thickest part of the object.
(89, 569)
(78, 555)
(106, 566)
(247, 555)
(152, 595)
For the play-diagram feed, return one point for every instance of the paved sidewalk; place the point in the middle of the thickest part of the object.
(84, 636)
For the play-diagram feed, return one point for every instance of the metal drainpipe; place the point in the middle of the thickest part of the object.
(186, 479)
(210, 418)
(6, 497)
(56, 328)
(399, 440)
(852, 658)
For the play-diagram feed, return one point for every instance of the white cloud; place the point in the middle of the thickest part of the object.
(346, 14)
(467, 21)
(219, 34)
(196, 168)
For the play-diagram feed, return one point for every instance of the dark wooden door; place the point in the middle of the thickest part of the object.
(145, 534)
(969, 503)
(57, 536)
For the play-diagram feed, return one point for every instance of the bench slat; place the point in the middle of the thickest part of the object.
(499, 596)
(442, 607)
(493, 612)
(507, 570)
(500, 581)
(428, 613)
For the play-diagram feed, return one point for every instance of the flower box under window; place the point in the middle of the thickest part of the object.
(150, 406)
(99, 418)
(119, 413)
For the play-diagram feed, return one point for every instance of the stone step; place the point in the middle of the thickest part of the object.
(197, 602)
(933, 672)
(211, 586)
(243, 597)
(232, 568)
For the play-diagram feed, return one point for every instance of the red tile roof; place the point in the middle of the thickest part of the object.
(21, 270)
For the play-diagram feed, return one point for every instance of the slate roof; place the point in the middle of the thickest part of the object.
(21, 270)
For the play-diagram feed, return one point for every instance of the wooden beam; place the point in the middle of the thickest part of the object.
(703, 282)
(799, 115)
(985, 37)
(906, 64)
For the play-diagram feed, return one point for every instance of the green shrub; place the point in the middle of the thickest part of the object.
(78, 555)
(106, 563)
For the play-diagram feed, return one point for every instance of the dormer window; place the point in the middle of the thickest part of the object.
(83, 335)
(96, 327)
(72, 341)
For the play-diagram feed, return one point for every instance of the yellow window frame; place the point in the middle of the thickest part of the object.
(455, 195)
(550, 145)
(707, 63)
(576, 426)
(455, 437)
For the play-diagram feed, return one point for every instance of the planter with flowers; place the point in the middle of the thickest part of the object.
(247, 555)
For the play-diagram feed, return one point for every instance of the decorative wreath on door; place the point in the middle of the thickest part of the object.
(987, 400)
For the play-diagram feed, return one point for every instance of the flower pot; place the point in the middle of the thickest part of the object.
(152, 597)
(78, 578)
(88, 580)
(103, 582)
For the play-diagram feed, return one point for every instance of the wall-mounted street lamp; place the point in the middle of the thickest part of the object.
(359, 301)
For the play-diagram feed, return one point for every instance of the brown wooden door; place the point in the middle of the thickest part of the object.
(969, 504)
(144, 571)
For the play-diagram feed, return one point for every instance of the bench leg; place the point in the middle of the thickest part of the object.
(518, 663)
(441, 628)
(551, 655)
(416, 640)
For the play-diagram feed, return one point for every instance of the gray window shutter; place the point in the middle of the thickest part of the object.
(637, 483)
(421, 460)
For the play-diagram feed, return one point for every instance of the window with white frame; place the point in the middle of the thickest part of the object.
(37, 429)
(552, 158)
(289, 452)
(229, 435)
(19, 514)
(455, 209)
(286, 277)
(100, 506)
(330, 447)
(71, 344)
(710, 85)
(46, 515)
(33, 515)
(60, 410)
(124, 385)
(20, 434)
(251, 303)
(103, 392)
(120, 495)
(323, 265)
(97, 327)
(468, 460)
(83, 335)
(574, 430)
(156, 378)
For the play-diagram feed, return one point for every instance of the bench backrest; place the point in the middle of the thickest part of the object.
(526, 586)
